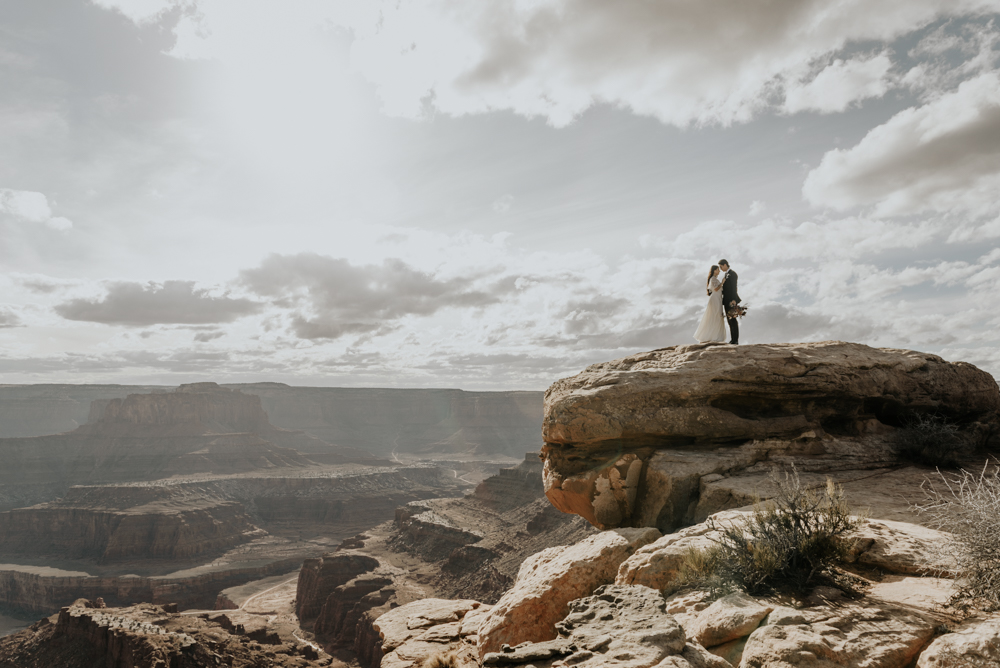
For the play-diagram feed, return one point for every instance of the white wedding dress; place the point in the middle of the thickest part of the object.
(713, 323)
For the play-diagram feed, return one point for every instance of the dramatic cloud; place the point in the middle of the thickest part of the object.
(943, 156)
(682, 62)
(332, 297)
(171, 302)
(32, 207)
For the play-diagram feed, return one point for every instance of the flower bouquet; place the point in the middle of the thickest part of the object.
(736, 311)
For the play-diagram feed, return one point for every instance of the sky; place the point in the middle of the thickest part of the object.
(487, 195)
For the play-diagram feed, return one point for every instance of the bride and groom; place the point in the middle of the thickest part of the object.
(723, 305)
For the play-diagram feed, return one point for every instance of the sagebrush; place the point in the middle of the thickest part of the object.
(967, 505)
(785, 543)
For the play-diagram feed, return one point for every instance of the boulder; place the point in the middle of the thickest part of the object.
(633, 442)
(658, 564)
(975, 644)
(550, 579)
(904, 548)
(851, 634)
(624, 626)
(729, 618)
(414, 632)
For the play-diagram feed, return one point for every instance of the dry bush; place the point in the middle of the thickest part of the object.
(967, 505)
(785, 543)
(930, 440)
(441, 660)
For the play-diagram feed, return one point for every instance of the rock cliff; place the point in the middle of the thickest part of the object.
(88, 634)
(633, 442)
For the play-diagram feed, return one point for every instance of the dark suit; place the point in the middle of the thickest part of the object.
(729, 295)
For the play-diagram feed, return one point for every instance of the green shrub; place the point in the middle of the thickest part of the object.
(785, 543)
(930, 440)
(967, 505)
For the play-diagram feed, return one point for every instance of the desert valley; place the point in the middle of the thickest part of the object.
(272, 525)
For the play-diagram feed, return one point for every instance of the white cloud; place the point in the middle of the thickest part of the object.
(943, 156)
(840, 84)
(25, 204)
(556, 58)
(682, 62)
(757, 207)
(32, 207)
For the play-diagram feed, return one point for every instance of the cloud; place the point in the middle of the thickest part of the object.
(32, 207)
(205, 337)
(8, 319)
(943, 156)
(171, 302)
(681, 62)
(840, 84)
(330, 297)
(781, 240)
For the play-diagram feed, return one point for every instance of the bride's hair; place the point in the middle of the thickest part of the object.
(711, 273)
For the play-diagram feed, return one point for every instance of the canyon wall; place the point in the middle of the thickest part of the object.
(40, 590)
(373, 420)
(107, 536)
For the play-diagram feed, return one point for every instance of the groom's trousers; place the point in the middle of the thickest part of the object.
(734, 330)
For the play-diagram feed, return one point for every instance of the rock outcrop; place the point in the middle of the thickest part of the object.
(320, 578)
(412, 633)
(148, 636)
(622, 626)
(632, 442)
(892, 547)
(549, 580)
(974, 644)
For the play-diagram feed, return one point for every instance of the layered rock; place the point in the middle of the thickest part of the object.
(40, 590)
(632, 442)
(108, 536)
(200, 428)
(320, 577)
(147, 636)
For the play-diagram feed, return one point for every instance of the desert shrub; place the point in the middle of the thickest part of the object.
(968, 506)
(931, 440)
(785, 543)
(441, 660)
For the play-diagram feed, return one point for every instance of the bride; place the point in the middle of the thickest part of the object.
(713, 323)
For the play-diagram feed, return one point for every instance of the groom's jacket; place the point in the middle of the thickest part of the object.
(729, 293)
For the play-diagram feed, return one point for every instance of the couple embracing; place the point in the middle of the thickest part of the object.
(723, 305)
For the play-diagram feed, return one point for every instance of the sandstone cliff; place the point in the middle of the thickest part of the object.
(637, 441)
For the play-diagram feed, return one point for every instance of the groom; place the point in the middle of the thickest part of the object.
(730, 298)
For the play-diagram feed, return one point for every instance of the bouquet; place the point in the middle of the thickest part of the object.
(736, 311)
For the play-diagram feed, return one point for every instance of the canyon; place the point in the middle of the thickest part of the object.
(570, 556)
(172, 496)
